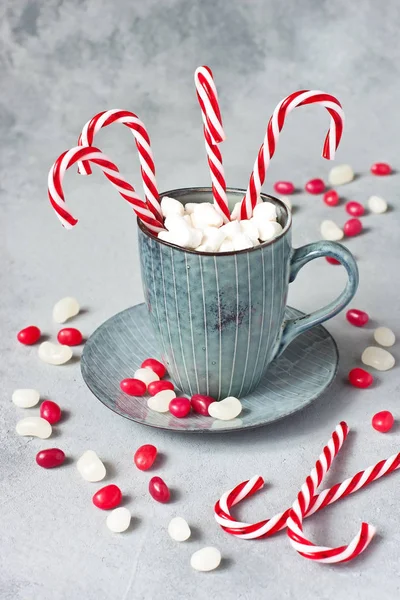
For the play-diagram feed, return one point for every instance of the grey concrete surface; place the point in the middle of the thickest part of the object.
(61, 62)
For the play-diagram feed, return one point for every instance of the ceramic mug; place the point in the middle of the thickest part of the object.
(219, 318)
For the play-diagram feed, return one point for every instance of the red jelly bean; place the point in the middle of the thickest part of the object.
(159, 490)
(352, 227)
(50, 411)
(159, 386)
(381, 169)
(355, 209)
(145, 456)
(155, 365)
(331, 198)
(50, 458)
(200, 403)
(28, 336)
(332, 261)
(69, 336)
(383, 421)
(284, 187)
(180, 407)
(315, 186)
(356, 317)
(133, 387)
(360, 378)
(107, 497)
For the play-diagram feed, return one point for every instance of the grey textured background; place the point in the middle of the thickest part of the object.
(61, 62)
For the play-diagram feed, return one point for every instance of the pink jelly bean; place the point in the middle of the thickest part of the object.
(133, 387)
(107, 497)
(159, 490)
(284, 187)
(200, 403)
(381, 169)
(180, 407)
(315, 186)
(355, 209)
(360, 378)
(331, 198)
(352, 227)
(28, 336)
(332, 261)
(159, 386)
(383, 421)
(145, 456)
(155, 365)
(50, 411)
(356, 317)
(69, 336)
(50, 458)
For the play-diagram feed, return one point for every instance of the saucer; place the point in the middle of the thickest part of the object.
(294, 380)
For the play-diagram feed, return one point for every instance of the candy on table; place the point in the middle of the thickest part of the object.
(158, 386)
(179, 530)
(145, 456)
(356, 317)
(119, 519)
(206, 559)
(170, 206)
(69, 336)
(205, 215)
(133, 387)
(333, 261)
(355, 209)
(159, 490)
(381, 169)
(179, 407)
(200, 403)
(340, 175)
(50, 458)
(28, 336)
(331, 231)
(34, 426)
(377, 205)
(226, 409)
(383, 421)
(160, 401)
(50, 411)
(146, 375)
(284, 187)
(107, 497)
(65, 309)
(90, 466)
(384, 336)
(378, 358)
(360, 378)
(25, 398)
(315, 186)
(54, 354)
(352, 227)
(331, 198)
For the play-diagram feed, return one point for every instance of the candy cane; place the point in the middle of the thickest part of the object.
(302, 504)
(91, 154)
(142, 140)
(274, 128)
(213, 134)
(268, 527)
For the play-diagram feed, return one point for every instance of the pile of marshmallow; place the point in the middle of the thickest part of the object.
(201, 227)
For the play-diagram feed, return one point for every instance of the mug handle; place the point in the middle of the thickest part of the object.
(300, 257)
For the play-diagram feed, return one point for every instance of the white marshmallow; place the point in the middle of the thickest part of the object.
(241, 241)
(235, 214)
(226, 246)
(175, 222)
(265, 211)
(171, 206)
(250, 228)
(188, 220)
(268, 230)
(205, 215)
(190, 207)
(212, 239)
(185, 237)
(231, 229)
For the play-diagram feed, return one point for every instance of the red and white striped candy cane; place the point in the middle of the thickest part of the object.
(268, 527)
(303, 545)
(276, 122)
(110, 170)
(142, 140)
(213, 135)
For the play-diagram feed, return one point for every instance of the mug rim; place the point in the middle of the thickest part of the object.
(171, 193)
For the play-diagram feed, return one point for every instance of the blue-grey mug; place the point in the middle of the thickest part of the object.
(220, 318)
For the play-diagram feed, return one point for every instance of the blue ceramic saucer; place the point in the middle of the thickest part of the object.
(294, 380)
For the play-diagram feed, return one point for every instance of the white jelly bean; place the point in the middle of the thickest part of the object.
(231, 229)
(226, 246)
(119, 519)
(206, 559)
(25, 398)
(212, 239)
(226, 409)
(54, 354)
(378, 358)
(170, 206)
(331, 231)
(264, 211)
(241, 241)
(90, 466)
(205, 215)
(64, 309)
(146, 375)
(35, 426)
(249, 228)
(384, 336)
(179, 530)
(377, 205)
(341, 174)
(160, 402)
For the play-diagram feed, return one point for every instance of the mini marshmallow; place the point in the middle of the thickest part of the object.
(231, 229)
(235, 214)
(241, 241)
(212, 239)
(186, 237)
(265, 211)
(226, 246)
(205, 215)
(175, 222)
(170, 206)
(267, 230)
(250, 229)
(188, 220)
(190, 207)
